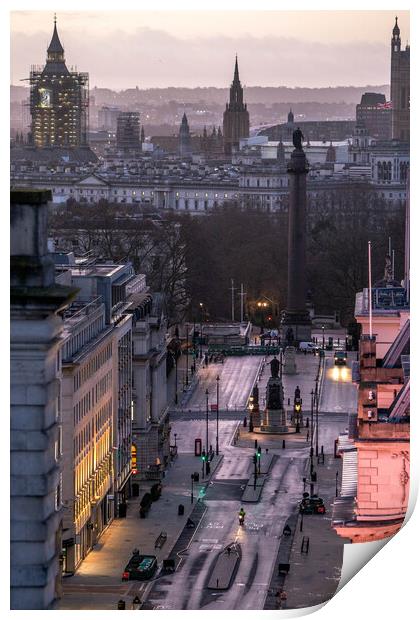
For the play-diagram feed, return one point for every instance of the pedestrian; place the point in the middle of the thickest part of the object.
(266, 450)
(283, 598)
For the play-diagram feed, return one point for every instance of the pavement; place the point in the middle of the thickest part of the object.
(97, 583)
(314, 576)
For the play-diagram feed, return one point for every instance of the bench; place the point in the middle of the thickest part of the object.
(161, 540)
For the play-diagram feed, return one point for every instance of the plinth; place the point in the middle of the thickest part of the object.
(274, 418)
(289, 367)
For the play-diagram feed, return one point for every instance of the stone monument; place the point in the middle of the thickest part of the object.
(289, 361)
(274, 417)
(296, 324)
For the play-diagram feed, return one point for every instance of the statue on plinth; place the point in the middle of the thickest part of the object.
(273, 419)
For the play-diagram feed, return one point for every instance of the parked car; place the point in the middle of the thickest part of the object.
(140, 568)
(312, 505)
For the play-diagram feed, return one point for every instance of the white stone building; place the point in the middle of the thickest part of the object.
(88, 404)
(35, 407)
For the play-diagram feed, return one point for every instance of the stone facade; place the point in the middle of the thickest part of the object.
(400, 87)
(150, 401)
(35, 407)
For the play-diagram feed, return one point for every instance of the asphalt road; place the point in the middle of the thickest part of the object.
(339, 395)
(237, 377)
(258, 539)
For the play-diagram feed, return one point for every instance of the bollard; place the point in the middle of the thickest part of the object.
(288, 401)
(121, 604)
(322, 449)
(284, 444)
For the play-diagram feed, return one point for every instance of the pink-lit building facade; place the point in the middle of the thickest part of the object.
(376, 451)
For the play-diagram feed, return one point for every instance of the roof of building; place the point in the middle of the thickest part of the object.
(372, 99)
(53, 154)
(55, 46)
(400, 347)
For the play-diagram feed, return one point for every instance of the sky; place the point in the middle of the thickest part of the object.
(124, 49)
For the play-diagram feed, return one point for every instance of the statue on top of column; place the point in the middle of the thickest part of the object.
(297, 139)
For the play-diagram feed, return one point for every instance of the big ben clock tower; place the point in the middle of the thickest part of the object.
(59, 101)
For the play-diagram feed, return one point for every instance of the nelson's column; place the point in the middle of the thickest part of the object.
(296, 324)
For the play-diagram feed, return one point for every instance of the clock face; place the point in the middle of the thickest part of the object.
(44, 98)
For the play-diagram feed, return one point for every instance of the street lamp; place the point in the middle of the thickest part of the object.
(316, 413)
(312, 431)
(217, 415)
(201, 330)
(176, 378)
(194, 343)
(207, 423)
(323, 336)
(186, 374)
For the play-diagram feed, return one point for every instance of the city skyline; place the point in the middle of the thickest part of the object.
(165, 48)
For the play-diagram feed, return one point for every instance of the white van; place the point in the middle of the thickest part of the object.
(308, 346)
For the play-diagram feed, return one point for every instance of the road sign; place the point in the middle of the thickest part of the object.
(213, 407)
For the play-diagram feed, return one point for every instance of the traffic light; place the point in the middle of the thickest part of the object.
(259, 452)
(203, 455)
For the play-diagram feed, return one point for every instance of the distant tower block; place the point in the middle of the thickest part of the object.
(184, 138)
(400, 87)
(236, 116)
(296, 324)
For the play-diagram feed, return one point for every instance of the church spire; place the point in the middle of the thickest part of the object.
(236, 72)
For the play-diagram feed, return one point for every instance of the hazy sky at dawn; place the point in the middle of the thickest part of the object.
(188, 48)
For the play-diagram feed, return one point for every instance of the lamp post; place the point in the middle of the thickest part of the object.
(217, 415)
(186, 374)
(201, 331)
(207, 423)
(192, 488)
(316, 414)
(175, 435)
(312, 431)
(194, 343)
(323, 337)
(176, 378)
